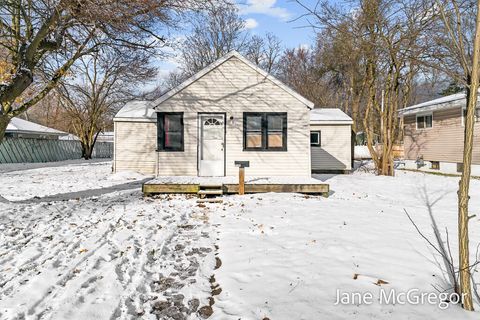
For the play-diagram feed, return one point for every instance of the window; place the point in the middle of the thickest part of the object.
(425, 121)
(170, 131)
(265, 131)
(315, 137)
(459, 167)
(435, 165)
(464, 115)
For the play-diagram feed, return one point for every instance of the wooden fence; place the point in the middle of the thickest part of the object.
(18, 150)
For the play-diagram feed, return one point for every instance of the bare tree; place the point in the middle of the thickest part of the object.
(298, 68)
(41, 40)
(265, 51)
(456, 53)
(386, 34)
(214, 33)
(101, 82)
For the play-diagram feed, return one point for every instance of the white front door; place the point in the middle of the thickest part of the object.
(211, 154)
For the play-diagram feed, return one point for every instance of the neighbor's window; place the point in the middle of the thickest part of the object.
(435, 165)
(315, 138)
(424, 121)
(265, 131)
(170, 131)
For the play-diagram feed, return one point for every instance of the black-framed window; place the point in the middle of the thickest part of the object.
(424, 121)
(266, 131)
(170, 131)
(315, 138)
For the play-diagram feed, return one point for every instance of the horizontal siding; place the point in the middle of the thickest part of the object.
(234, 88)
(442, 142)
(335, 152)
(135, 144)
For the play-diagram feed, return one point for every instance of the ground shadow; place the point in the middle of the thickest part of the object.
(84, 193)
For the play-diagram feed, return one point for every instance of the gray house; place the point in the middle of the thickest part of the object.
(230, 111)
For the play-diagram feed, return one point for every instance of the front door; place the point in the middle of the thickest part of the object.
(211, 154)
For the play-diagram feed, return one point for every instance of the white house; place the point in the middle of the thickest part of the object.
(230, 111)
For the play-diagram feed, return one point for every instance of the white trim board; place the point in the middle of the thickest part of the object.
(169, 94)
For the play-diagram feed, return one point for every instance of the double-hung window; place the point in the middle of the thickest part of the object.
(170, 131)
(424, 121)
(265, 131)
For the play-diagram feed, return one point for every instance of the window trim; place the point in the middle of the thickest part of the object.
(264, 131)
(424, 122)
(161, 132)
(435, 165)
(319, 144)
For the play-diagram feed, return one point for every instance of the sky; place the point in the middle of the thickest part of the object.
(278, 17)
(261, 16)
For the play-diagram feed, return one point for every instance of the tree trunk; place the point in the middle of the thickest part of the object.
(4, 121)
(87, 150)
(88, 146)
(464, 185)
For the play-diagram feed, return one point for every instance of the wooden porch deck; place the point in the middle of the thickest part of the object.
(229, 185)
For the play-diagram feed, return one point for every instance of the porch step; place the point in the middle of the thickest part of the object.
(211, 186)
(214, 192)
(210, 190)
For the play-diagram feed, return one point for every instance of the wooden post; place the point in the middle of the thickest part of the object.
(241, 180)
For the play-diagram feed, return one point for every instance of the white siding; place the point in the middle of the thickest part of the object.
(335, 150)
(135, 144)
(234, 88)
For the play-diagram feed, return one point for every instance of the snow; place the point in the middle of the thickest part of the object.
(136, 109)
(329, 114)
(362, 152)
(73, 177)
(24, 126)
(284, 256)
(450, 101)
(280, 256)
(117, 257)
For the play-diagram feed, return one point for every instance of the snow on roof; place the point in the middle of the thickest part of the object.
(329, 115)
(23, 126)
(136, 110)
(447, 102)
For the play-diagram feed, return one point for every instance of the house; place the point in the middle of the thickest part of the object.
(230, 111)
(433, 135)
(19, 128)
(331, 140)
(107, 136)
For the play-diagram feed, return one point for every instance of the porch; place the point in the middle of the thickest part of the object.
(204, 186)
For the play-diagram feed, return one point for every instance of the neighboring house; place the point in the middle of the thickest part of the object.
(106, 136)
(230, 111)
(434, 133)
(19, 128)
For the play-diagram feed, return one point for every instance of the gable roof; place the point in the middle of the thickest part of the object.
(219, 62)
(452, 101)
(329, 116)
(18, 125)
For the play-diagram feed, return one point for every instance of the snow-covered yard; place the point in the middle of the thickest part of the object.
(275, 256)
(73, 176)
